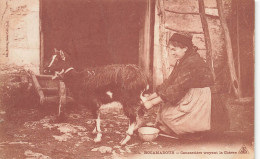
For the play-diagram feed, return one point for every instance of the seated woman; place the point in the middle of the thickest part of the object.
(185, 95)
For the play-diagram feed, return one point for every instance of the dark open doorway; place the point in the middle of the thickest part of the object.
(96, 32)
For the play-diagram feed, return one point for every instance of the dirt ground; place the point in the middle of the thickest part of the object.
(28, 130)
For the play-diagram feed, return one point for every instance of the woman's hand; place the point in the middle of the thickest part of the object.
(154, 101)
(148, 97)
(151, 96)
(148, 104)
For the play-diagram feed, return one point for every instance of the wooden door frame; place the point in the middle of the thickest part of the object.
(146, 39)
(41, 37)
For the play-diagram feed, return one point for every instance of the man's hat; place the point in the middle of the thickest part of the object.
(184, 38)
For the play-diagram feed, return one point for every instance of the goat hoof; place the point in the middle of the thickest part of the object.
(125, 140)
(97, 140)
(94, 131)
(123, 143)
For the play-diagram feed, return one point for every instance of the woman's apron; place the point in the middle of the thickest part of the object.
(191, 114)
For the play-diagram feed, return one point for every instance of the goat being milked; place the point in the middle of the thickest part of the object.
(96, 86)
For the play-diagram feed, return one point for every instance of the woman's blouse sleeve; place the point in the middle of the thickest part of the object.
(173, 90)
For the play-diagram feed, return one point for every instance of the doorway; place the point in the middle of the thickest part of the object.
(98, 32)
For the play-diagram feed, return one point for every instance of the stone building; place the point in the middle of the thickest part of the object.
(97, 32)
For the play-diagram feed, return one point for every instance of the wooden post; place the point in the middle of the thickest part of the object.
(41, 38)
(157, 54)
(62, 94)
(234, 80)
(37, 87)
(238, 44)
(206, 36)
(162, 38)
(146, 39)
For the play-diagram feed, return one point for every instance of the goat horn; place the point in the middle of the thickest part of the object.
(62, 55)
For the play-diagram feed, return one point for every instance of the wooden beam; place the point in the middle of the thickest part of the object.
(50, 90)
(56, 99)
(234, 80)
(206, 36)
(192, 32)
(44, 77)
(52, 99)
(175, 12)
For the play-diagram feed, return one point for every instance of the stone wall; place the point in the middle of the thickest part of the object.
(20, 40)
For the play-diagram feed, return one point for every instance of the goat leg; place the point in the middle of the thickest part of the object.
(132, 127)
(129, 133)
(97, 129)
(62, 101)
(134, 123)
(139, 122)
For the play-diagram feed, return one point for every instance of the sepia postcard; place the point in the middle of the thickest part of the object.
(170, 79)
